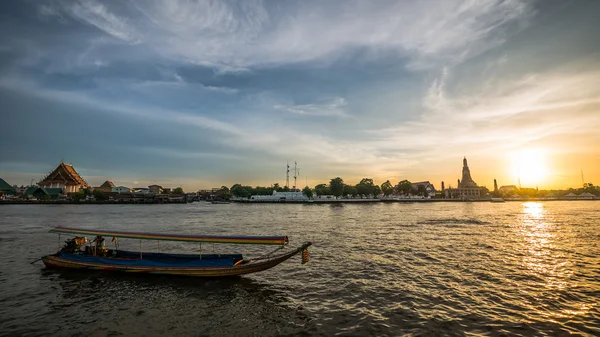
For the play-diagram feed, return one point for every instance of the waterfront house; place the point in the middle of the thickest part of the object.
(508, 189)
(156, 189)
(586, 196)
(429, 188)
(44, 193)
(106, 187)
(141, 190)
(121, 189)
(20, 190)
(64, 177)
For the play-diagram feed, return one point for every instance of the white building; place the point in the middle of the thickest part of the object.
(429, 188)
(280, 196)
(121, 189)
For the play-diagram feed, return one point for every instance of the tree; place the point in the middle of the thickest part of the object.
(376, 191)
(387, 188)
(322, 189)
(178, 190)
(239, 191)
(77, 196)
(224, 193)
(285, 189)
(307, 191)
(365, 186)
(404, 187)
(86, 192)
(350, 190)
(336, 185)
(99, 195)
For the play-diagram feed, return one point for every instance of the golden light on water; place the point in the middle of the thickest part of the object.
(541, 258)
(530, 166)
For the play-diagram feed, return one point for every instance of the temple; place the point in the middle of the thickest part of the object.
(64, 177)
(467, 188)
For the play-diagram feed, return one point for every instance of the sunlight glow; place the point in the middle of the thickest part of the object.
(530, 166)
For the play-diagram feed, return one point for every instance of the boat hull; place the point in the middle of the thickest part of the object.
(56, 261)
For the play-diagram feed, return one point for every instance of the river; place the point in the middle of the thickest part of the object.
(383, 269)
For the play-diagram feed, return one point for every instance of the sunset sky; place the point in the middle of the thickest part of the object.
(204, 94)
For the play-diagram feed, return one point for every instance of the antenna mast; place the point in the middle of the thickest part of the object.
(582, 181)
(287, 175)
(296, 174)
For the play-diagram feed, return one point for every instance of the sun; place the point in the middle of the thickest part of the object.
(529, 165)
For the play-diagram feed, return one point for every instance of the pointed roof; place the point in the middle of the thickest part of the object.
(107, 184)
(65, 174)
(5, 187)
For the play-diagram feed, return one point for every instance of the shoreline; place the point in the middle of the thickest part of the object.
(308, 202)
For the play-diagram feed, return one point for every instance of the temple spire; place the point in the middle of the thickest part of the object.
(466, 180)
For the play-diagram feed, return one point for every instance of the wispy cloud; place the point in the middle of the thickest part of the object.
(96, 14)
(506, 116)
(157, 114)
(333, 107)
(235, 36)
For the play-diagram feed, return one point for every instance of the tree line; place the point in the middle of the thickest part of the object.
(336, 187)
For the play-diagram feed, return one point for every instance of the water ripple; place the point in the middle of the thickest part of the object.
(377, 269)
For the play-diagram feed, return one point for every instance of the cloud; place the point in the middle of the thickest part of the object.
(239, 35)
(96, 14)
(333, 107)
(158, 114)
(505, 116)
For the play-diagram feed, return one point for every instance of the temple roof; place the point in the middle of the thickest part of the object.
(65, 174)
(5, 187)
(107, 184)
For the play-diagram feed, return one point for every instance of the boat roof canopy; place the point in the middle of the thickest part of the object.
(251, 240)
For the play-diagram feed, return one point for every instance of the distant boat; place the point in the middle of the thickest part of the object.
(497, 200)
(220, 202)
(96, 257)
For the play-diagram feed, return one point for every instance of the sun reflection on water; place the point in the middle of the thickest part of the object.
(542, 256)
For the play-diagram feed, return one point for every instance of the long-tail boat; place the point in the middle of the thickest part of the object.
(76, 254)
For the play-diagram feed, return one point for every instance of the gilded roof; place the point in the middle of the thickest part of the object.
(65, 174)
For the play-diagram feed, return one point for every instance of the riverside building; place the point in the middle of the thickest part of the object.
(64, 177)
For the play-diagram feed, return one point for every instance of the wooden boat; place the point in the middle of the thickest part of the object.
(96, 257)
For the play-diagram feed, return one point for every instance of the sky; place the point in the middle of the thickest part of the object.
(201, 94)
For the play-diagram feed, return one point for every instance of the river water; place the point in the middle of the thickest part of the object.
(385, 269)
